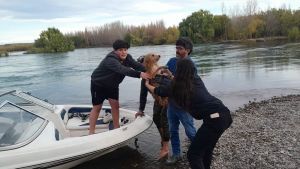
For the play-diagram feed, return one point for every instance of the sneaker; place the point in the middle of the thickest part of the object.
(107, 118)
(173, 159)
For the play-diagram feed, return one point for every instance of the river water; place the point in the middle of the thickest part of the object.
(235, 73)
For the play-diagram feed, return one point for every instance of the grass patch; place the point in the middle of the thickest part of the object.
(15, 47)
(5, 49)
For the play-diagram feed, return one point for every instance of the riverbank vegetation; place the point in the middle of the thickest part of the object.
(5, 49)
(52, 41)
(151, 34)
(201, 27)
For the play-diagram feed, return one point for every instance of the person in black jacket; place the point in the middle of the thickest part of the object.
(188, 91)
(106, 78)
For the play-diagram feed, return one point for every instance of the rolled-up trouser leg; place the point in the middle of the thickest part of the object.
(161, 121)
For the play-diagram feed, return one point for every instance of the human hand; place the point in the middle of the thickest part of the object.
(165, 70)
(147, 83)
(168, 73)
(139, 113)
(145, 75)
(149, 86)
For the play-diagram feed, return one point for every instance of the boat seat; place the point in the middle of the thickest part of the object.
(77, 118)
(76, 123)
(64, 116)
(79, 109)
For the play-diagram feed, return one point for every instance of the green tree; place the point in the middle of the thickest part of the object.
(286, 20)
(199, 26)
(272, 22)
(52, 41)
(171, 35)
(133, 39)
(136, 36)
(79, 41)
(294, 34)
(297, 18)
(254, 26)
(221, 26)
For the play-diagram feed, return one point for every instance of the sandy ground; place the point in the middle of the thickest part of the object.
(263, 135)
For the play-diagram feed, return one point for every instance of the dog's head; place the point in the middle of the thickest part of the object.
(150, 59)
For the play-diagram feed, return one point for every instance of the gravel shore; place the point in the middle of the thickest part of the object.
(263, 135)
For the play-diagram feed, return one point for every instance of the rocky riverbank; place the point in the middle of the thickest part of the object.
(264, 135)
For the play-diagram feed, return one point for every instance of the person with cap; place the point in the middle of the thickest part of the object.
(106, 78)
(184, 47)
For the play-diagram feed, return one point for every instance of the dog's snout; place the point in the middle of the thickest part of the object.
(158, 56)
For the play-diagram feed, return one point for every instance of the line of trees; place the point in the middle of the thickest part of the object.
(151, 34)
(202, 26)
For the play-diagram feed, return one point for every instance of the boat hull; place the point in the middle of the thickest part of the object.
(48, 150)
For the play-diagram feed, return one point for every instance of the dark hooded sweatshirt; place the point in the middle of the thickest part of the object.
(111, 71)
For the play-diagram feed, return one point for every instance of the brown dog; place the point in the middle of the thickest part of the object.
(159, 76)
(154, 70)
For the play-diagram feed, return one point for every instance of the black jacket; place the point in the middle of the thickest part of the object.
(111, 71)
(159, 79)
(202, 102)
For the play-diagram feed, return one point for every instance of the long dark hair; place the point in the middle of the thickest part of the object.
(182, 84)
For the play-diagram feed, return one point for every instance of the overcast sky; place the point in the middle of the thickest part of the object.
(23, 20)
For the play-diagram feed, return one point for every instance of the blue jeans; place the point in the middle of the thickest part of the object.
(175, 116)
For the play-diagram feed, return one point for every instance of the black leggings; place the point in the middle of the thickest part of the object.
(161, 121)
(201, 150)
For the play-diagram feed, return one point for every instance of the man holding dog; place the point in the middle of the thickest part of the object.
(106, 78)
(184, 47)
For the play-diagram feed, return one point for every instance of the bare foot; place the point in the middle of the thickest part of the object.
(163, 154)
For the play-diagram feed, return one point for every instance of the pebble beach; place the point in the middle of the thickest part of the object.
(263, 134)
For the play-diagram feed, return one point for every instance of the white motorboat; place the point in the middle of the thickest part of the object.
(37, 134)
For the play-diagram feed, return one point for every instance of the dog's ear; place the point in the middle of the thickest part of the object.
(141, 59)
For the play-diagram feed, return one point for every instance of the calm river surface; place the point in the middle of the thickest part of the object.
(235, 73)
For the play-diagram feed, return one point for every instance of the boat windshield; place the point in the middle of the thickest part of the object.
(18, 126)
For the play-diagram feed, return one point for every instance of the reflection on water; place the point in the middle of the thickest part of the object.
(226, 56)
(236, 73)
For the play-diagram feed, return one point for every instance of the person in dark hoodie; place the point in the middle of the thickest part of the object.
(188, 92)
(106, 78)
